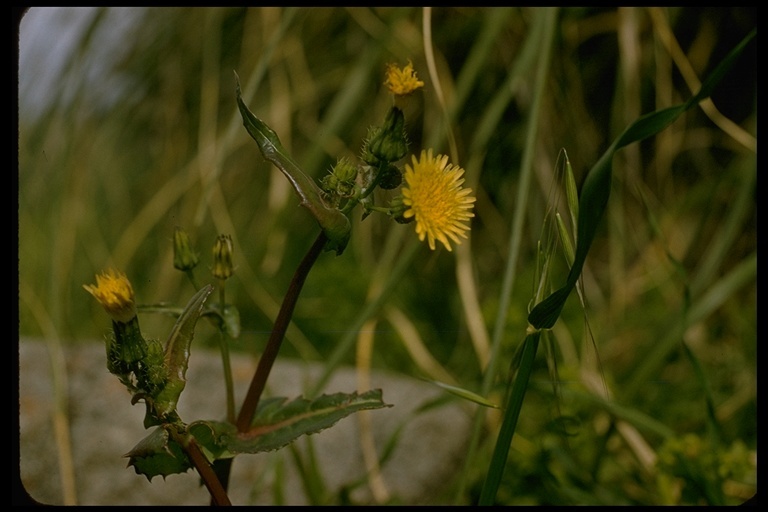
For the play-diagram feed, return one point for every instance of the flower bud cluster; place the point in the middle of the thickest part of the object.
(340, 182)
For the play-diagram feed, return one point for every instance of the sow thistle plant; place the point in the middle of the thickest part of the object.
(431, 197)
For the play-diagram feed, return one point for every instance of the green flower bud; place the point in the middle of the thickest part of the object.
(344, 170)
(341, 181)
(390, 178)
(222, 257)
(184, 258)
(366, 155)
(389, 143)
(130, 346)
(329, 182)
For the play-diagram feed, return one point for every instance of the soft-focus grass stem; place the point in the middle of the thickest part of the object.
(61, 403)
(511, 415)
(544, 31)
(373, 306)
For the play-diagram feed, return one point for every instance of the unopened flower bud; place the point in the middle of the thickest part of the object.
(390, 178)
(222, 257)
(341, 180)
(389, 143)
(344, 170)
(184, 258)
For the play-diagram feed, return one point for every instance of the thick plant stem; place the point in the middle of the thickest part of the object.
(278, 332)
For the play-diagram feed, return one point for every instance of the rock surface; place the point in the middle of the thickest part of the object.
(103, 426)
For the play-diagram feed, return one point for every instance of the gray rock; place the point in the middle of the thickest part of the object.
(427, 454)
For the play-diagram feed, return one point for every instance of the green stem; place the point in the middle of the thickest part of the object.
(380, 209)
(511, 415)
(225, 360)
(230, 390)
(278, 333)
(543, 35)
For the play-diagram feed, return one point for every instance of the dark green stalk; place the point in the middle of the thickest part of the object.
(543, 35)
(511, 415)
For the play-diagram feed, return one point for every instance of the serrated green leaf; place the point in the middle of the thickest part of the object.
(156, 455)
(177, 353)
(278, 422)
(335, 224)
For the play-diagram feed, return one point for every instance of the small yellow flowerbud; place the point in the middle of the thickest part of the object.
(115, 294)
(402, 82)
(184, 258)
(222, 257)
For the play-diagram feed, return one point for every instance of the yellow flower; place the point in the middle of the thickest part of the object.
(115, 294)
(402, 81)
(433, 195)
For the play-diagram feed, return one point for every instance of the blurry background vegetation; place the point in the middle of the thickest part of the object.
(128, 127)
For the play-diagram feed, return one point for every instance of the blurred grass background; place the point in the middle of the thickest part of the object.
(135, 130)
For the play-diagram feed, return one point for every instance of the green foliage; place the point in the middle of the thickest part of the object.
(278, 422)
(335, 224)
(597, 186)
(177, 350)
(157, 455)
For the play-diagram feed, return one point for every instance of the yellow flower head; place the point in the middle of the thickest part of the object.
(402, 81)
(433, 195)
(115, 294)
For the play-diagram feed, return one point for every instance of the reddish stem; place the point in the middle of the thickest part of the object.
(278, 333)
